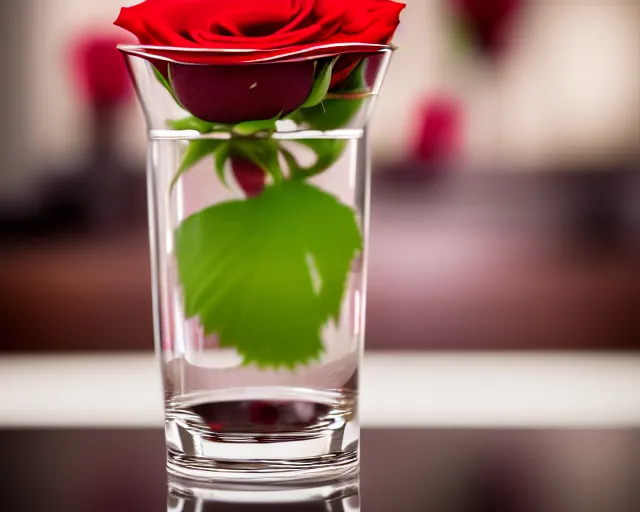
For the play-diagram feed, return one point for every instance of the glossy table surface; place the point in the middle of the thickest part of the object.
(398, 390)
(436, 470)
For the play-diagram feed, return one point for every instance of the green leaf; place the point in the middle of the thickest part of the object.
(262, 152)
(252, 127)
(191, 123)
(166, 84)
(356, 81)
(332, 114)
(328, 152)
(321, 85)
(196, 151)
(267, 274)
(222, 155)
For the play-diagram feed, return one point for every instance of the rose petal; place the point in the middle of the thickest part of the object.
(234, 94)
(267, 25)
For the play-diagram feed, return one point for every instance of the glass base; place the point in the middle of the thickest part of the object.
(265, 434)
(337, 496)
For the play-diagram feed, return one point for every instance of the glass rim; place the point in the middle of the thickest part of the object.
(257, 54)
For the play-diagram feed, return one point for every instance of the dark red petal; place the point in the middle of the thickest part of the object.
(234, 94)
(250, 177)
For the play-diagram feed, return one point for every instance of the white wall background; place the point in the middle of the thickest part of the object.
(570, 89)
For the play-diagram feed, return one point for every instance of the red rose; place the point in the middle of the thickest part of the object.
(489, 21)
(226, 32)
(288, 25)
(440, 133)
(233, 94)
(101, 74)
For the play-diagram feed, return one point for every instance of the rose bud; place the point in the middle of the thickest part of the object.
(250, 177)
(250, 92)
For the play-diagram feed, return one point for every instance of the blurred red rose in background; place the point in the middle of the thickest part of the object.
(488, 21)
(100, 71)
(440, 131)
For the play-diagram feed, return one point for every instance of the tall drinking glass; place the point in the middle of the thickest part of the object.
(258, 238)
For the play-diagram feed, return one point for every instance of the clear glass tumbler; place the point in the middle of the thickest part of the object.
(259, 275)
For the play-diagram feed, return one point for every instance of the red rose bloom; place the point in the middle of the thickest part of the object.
(260, 24)
(282, 33)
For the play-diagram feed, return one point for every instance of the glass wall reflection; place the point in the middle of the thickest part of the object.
(333, 497)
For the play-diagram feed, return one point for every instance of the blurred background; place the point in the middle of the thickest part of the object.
(506, 189)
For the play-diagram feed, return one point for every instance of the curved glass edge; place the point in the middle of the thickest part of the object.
(256, 55)
(221, 492)
(340, 110)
